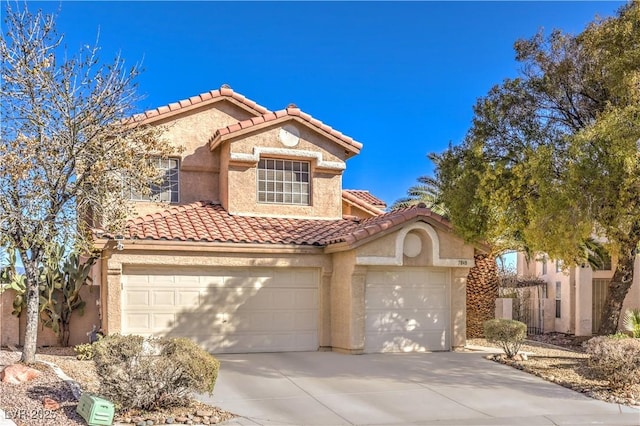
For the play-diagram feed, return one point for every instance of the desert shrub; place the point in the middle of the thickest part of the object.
(508, 334)
(84, 352)
(619, 335)
(155, 372)
(615, 360)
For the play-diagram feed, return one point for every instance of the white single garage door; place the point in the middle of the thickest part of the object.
(229, 310)
(407, 310)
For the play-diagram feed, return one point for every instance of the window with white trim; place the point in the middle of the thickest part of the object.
(168, 189)
(283, 182)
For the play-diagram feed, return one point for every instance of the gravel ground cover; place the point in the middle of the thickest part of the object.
(561, 359)
(24, 403)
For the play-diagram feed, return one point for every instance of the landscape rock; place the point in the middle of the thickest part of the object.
(50, 404)
(17, 374)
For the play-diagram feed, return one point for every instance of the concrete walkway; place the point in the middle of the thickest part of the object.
(4, 421)
(448, 388)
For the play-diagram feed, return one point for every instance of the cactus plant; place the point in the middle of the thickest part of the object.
(61, 278)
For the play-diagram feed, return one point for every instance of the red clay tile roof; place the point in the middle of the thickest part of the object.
(224, 92)
(367, 197)
(373, 225)
(283, 115)
(207, 222)
(354, 199)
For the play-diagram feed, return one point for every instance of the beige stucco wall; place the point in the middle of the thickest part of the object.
(325, 188)
(452, 246)
(12, 328)
(449, 247)
(347, 303)
(459, 307)
(199, 166)
(351, 210)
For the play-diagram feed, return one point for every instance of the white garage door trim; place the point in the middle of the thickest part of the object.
(225, 310)
(407, 309)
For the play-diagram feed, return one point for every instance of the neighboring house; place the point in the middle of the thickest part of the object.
(577, 294)
(256, 247)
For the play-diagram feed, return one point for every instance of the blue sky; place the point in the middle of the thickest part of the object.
(401, 78)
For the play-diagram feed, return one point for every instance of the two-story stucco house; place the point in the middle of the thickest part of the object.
(577, 293)
(255, 246)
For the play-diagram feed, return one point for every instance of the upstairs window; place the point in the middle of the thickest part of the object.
(167, 190)
(559, 265)
(283, 182)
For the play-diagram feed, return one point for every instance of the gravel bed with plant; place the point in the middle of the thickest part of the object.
(561, 359)
(24, 403)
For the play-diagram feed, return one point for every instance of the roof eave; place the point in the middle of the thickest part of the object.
(218, 138)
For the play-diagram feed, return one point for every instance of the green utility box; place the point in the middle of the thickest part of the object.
(95, 410)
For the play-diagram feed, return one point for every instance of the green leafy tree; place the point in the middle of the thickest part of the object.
(67, 139)
(552, 156)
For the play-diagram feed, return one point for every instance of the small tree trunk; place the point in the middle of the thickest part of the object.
(617, 291)
(621, 281)
(63, 337)
(33, 311)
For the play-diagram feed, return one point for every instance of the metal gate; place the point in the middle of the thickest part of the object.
(530, 310)
(599, 295)
(534, 316)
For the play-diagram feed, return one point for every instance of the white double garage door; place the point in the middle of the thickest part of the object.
(236, 310)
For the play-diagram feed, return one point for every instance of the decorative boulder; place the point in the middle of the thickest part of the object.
(17, 373)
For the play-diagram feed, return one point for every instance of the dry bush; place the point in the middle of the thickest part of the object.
(616, 360)
(151, 373)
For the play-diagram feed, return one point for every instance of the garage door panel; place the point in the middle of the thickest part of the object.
(167, 298)
(225, 310)
(407, 309)
(409, 342)
(406, 298)
(136, 298)
(408, 321)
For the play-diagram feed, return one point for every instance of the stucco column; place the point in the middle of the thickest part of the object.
(358, 283)
(583, 301)
(347, 304)
(504, 308)
(112, 298)
(459, 307)
(325, 310)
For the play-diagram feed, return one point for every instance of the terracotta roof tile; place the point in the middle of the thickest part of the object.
(203, 98)
(367, 197)
(288, 112)
(354, 199)
(204, 221)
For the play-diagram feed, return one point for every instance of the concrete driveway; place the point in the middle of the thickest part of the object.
(449, 388)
